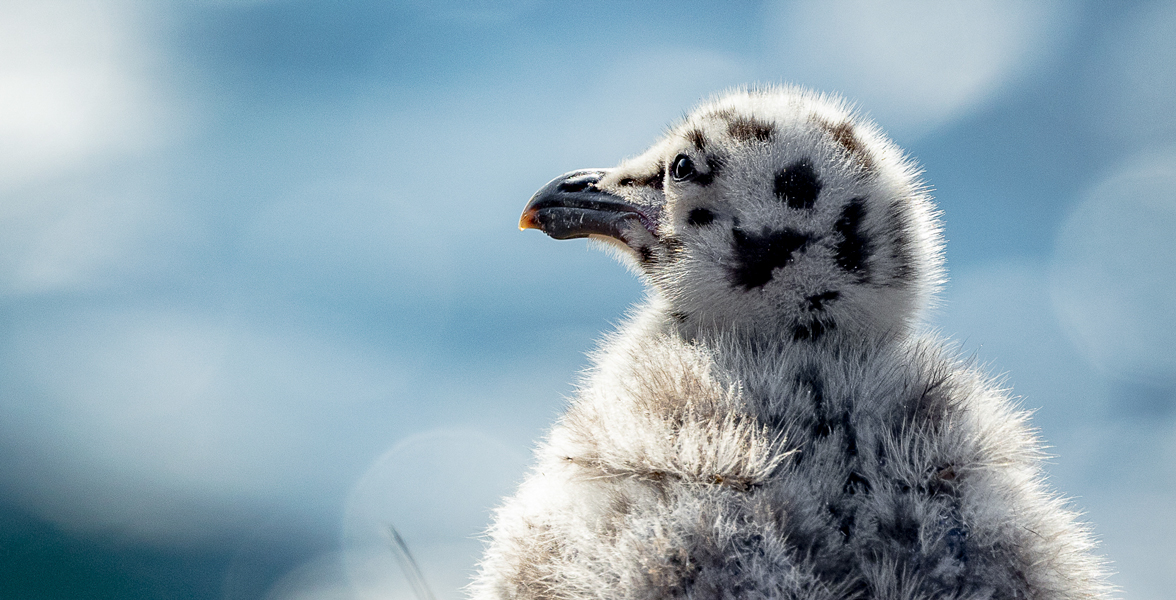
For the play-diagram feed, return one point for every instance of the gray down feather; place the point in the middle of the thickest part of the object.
(770, 423)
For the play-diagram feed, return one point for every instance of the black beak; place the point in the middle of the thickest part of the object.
(571, 206)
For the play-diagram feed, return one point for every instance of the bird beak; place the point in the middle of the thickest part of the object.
(571, 206)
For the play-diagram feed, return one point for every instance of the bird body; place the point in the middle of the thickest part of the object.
(769, 423)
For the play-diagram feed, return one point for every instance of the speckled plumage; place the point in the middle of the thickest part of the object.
(768, 423)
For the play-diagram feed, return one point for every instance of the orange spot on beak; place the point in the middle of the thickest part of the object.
(527, 220)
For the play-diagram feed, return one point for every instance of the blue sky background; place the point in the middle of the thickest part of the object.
(261, 290)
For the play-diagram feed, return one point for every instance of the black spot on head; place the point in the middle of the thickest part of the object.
(757, 255)
(854, 248)
(646, 254)
(695, 137)
(725, 114)
(798, 185)
(746, 129)
(844, 135)
(679, 316)
(655, 180)
(817, 301)
(700, 217)
(714, 166)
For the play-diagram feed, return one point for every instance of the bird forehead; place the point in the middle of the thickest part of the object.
(756, 116)
(757, 141)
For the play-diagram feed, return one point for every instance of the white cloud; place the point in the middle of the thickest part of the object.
(1114, 270)
(156, 420)
(71, 86)
(915, 64)
(83, 233)
(79, 103)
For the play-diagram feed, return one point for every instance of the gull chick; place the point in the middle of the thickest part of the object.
(769, 423)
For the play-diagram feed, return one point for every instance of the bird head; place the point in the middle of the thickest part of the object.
(775, 212)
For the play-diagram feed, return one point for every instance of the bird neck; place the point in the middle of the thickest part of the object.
(782, 344)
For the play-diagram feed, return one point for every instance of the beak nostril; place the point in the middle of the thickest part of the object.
(574, 186)
(581, 181)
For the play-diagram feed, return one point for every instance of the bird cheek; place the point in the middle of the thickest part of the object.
(646, 245)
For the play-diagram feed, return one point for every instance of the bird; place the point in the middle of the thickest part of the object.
(772, 420)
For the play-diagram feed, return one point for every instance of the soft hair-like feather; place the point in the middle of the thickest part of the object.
(714, 457)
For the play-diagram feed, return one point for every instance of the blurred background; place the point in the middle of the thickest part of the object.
(262, 292)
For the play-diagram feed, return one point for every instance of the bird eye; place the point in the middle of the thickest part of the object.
(683, 168)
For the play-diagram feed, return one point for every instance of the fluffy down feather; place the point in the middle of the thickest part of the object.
(722, 446)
